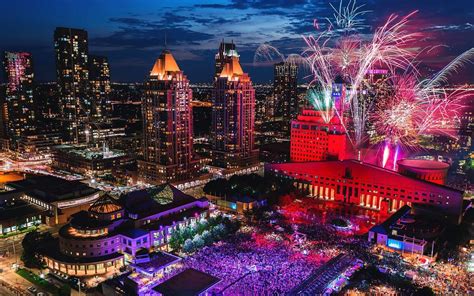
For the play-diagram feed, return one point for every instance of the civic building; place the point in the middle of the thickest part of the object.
(111, 232)
(369, 186)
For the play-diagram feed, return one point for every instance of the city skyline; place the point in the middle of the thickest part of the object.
(237, 147)
(131, 35)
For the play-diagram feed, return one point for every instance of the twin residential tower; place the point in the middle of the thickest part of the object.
(168, 123)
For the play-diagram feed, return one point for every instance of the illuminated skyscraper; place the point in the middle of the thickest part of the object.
(225, 53)
(99, 77)
(72, 51)
(168, 130)
(19, 114)
(233, 116)
(285, 86)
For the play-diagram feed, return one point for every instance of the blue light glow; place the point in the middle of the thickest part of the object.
(394, 244)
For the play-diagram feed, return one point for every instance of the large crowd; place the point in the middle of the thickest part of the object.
(248, 266)
(273, 258)
(445, 278)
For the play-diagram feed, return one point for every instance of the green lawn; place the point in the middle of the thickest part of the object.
(37, 280)
(31, 228)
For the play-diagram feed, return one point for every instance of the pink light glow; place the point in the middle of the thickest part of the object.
(395, 158)
(386, 153)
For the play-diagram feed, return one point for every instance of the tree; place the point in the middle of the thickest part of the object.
(175, 240)
(217, 187)
(201, 226)
(207, 237)
(218, 231)
(188, 246)
(32, 244)
(198, 242)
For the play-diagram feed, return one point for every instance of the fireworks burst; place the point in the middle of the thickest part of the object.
(267, 53)
(348, 17)
(407, 106)
(421, 107)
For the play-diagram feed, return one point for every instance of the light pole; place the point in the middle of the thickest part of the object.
(14, 252)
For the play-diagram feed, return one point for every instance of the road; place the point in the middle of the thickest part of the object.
(11, 249)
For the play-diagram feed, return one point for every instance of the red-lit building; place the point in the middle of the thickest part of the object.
(428, 170)
(369, 186)
(313, 139)
(168, 125)
(233, 116)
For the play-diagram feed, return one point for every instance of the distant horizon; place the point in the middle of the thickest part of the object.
(131, 34)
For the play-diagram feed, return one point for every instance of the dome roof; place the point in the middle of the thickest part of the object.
(104, 205)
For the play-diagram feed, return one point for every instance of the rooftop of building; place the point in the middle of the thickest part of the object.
(164, 65)
(188, 282)
(83, 220)
(350, 167)
(174, 217)
(150, 201)
(18, 209)
(90, 153)
(157, 261)
(105, 205)
(226, 47)
(133, 233)
(423, 164)
(384, 227)
(232, 68)
(403, 223)
(51, 189)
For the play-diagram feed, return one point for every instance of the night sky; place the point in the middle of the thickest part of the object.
(132, 33)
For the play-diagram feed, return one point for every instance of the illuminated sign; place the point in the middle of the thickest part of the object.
(394, 244)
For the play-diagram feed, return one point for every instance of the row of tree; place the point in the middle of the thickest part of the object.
(202, 233)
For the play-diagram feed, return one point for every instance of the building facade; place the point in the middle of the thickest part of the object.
(285, 91)
(89, 161)
(111, 232)
(99, 77)
(369, 186)
(233, 117)
(314, 139)
(58, 198)
(167, 125)
(19, 109)
(72, 69)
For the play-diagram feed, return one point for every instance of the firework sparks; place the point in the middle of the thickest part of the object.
(410, 108)
(348, 17)
(386, 154)
(421, 107)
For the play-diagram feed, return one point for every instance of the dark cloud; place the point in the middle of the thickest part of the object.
(132, 38)
(233, 34)
(140, 33)
(131, 21)
(256, 4)
(141, 38)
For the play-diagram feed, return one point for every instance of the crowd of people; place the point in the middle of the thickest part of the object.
(445, 278)
(248, 266)
(271, 258)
